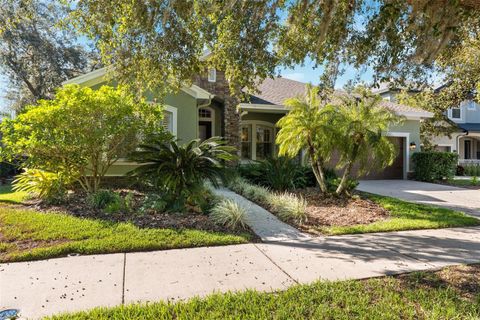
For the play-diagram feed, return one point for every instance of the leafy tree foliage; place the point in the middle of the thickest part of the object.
(80, 133)
(36, 56)
(307, 125)
(360, 123)
(160, 42)
(461, 73)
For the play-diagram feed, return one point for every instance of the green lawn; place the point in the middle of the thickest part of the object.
(407, 216)
(32, 235)
(8, 196)
(463, 182)
(414, 296)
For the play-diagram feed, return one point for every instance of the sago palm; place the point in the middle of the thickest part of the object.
(361, 123)
(181, 170)
(307, 126)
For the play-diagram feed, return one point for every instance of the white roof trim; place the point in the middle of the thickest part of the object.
(415, 115)
(87, 76)
(268, 108)
(274, 108)
(194, 90)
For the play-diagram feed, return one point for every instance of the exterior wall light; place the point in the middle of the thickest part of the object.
(413, 146)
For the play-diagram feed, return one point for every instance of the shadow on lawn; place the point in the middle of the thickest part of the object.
(465, 280)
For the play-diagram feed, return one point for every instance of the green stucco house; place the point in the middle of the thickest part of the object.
(206, 109)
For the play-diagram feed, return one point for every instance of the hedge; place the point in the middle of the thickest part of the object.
(433, 166)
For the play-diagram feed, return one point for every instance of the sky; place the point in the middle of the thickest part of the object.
(309, 74)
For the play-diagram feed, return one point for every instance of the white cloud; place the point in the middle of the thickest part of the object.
(297, 76)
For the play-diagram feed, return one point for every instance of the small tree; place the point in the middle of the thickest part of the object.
(360, 123)
(81, 133)
(307, 126)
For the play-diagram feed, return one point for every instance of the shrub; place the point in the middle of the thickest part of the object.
(277, 173)
(472, 170)
(432, 166)
(230, 214)
(48, 186)
(253, 192)
(153, 203)
(281, 174)
(474, 181)
(104, 198)
(350, 184)
(289, 207)
(80, 133)
(181, 170)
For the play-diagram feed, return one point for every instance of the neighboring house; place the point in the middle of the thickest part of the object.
(466, 140)
(206, 109)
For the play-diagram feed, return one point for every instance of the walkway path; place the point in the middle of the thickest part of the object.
(77, 283)
(466, 200)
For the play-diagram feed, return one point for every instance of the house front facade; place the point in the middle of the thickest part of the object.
(207, 109)
(465, 141)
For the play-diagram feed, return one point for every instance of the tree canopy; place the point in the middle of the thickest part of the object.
(155, 42)
(36, 55)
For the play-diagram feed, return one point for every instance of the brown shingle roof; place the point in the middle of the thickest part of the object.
(275, 91)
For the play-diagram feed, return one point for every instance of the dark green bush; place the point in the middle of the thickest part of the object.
(433, 166)
(281, 173)
(103, 199)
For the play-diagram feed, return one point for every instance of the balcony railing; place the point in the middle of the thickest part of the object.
(467, 162)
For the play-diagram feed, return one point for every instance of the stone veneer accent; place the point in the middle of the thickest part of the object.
(231, 117)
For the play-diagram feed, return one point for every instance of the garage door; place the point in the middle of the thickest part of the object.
(395, 171)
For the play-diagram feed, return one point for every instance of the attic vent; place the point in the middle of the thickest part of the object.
(212, 75)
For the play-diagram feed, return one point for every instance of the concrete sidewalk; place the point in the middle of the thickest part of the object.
(78, 283)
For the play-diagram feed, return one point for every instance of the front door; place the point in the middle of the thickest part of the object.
(204, 130)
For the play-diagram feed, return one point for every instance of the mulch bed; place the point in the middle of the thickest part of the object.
(338, 211)
(77, 205)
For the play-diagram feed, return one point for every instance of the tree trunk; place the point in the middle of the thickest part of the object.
(317, 167)
(348, 170)
(343, 182)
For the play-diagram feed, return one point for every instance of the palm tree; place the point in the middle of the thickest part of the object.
(361, 122)
(307, 126)
(181, 170)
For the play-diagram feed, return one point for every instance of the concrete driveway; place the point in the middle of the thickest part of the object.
(461, 199)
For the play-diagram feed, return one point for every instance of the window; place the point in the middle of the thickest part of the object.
(456, 113)
(168, 121)
(204, 113)
(212, 75)
(264, 142)
(246, 139)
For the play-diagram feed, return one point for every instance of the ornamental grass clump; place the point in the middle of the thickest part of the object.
(229, 214)
(288, 207)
